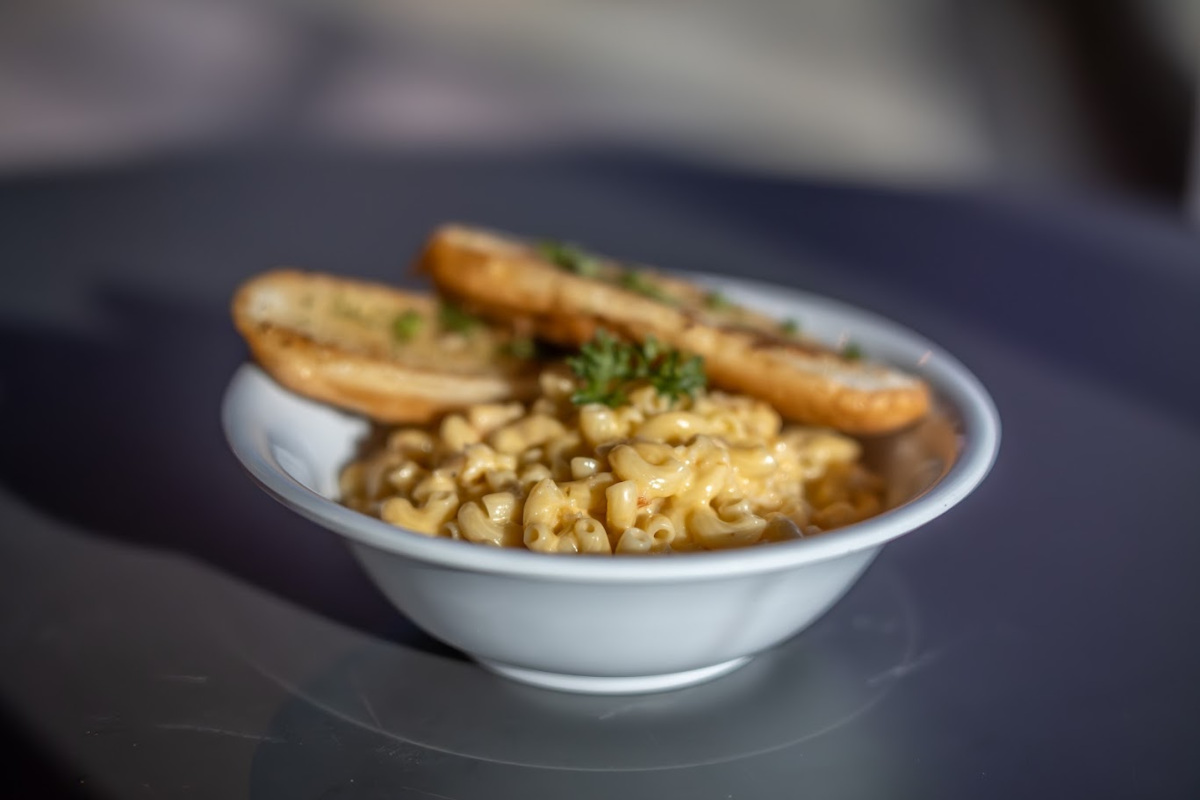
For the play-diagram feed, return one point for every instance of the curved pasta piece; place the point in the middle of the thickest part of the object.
(673, 427)
(540, 538)
(635, 540)
(622, 499)
(715, 533)
(657, 479)
(591, 536)
(439, 508)
(477, 527)
(525, 433)
(599, 424)
(545, 504)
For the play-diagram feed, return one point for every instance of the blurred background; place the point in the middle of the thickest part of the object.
(1050, 94)
(1090, 98)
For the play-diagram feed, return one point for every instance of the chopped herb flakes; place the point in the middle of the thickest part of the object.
(574, 259)
(406, 325)
(789, 327)
(716, 301)
(455, 320)
(675, 375)
(521, 347)
(608, 369)
(570, 257)
(637, 281)
(852, 352)
(340, 307)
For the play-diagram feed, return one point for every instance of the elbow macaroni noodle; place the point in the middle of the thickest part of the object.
(711, 472)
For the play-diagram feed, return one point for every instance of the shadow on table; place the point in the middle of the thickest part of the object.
(30, 768)
(383, 721)
(116, 431)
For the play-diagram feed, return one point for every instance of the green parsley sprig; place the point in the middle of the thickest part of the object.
(639, 282)
(570, 257)
(406, 325)
(454, 319)
(675, 375)
(608, 369)
(716, 301)
(574, 259)
(520, 347)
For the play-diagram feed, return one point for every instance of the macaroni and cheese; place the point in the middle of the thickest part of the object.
(653, 475)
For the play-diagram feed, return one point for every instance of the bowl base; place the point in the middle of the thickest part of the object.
(633, 684)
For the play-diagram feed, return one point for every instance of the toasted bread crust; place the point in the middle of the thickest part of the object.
(505, 279)
(285, 319)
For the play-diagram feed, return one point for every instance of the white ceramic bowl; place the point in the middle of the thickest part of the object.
(619, 624)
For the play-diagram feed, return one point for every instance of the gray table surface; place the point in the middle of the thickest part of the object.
(169, 631)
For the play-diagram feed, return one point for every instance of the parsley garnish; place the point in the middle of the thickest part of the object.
(520, 347)
(454, 319)
(675, 375)
(608, 368)
(636, 281)
(406, 325)
(576, 260)
(852, 352)
(717, 301)
(341, 307)
(570, 257)
(604, 365)
(789, 327)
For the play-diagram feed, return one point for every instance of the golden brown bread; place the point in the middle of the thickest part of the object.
(388, 354)
(565, 301)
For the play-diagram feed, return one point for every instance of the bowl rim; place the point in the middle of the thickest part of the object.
(951, 381)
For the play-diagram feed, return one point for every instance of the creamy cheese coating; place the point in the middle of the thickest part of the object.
(651, 476)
